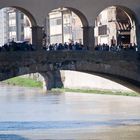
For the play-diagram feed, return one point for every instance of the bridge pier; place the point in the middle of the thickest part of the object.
(88, 37)
(37, 36)
(52, 79)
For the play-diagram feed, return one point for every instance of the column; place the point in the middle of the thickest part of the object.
(88, 37)
(138, 36)
(52, 79)
(37, 37)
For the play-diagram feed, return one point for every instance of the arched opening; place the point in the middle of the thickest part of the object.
(116, 26)
(64, 25)
(28, 14)
(69, 79)
(74, 80)
(83, 80)
(15, 25)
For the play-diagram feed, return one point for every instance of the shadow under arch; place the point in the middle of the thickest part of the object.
(27, 13)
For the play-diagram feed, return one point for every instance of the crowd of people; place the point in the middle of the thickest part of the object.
(26, 46)
(17, 46)
(79, 46)
(106, 47)
(65, 46)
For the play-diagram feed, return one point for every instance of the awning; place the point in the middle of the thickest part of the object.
(123, 26)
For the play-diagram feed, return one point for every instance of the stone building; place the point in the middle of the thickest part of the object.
(14, 25)
(64, 26)
(114, 26)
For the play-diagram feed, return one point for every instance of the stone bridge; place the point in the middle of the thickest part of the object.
(121, 67)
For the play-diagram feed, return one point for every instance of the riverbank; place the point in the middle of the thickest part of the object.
(24, 82)
(28, 82)
(96, 91)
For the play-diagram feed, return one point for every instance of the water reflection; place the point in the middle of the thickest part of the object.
(11, 137)
(12, 126)
(30, 114)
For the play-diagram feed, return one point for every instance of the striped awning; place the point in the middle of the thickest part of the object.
(123, 26)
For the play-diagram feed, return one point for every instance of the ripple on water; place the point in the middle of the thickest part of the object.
(10, 126)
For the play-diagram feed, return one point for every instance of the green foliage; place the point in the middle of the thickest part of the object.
(25, 82)
(96, 91)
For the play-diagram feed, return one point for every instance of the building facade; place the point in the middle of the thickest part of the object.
(3, 27)
(113, 26)
(64, 26)
(14, 25)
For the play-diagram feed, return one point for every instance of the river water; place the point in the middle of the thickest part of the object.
(30, 114)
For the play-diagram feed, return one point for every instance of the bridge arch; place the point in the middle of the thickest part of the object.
(53, 79)
(126, 82)
(123, 19)
(26, 12)
(122, 80)
(72, 21)
(80, 15)
(17, 23)
(77, 12)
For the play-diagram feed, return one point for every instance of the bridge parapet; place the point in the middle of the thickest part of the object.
(60, 56)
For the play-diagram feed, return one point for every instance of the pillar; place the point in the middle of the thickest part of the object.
(138, 36)
(52, 79)
(88, 37)
(37, 37)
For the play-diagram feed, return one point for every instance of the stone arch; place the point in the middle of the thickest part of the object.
(75, 30)
(22, 28)
(80, 15)
(126, 82)
(27, 13)
(131, 16)
(77, 12)
(127, 10)
(131, 84)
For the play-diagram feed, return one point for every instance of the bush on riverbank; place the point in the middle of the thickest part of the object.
(24, 82)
